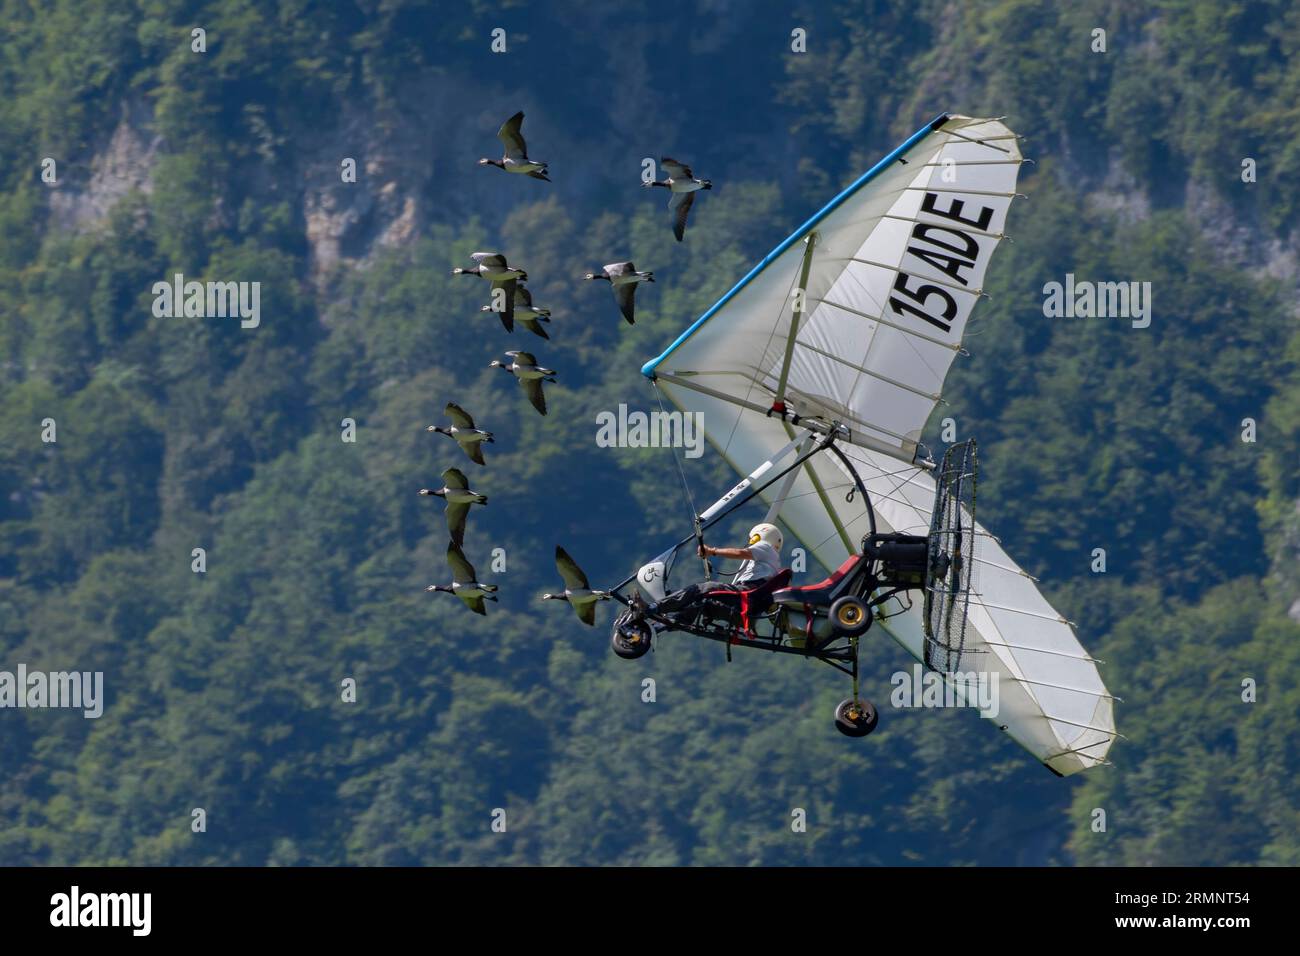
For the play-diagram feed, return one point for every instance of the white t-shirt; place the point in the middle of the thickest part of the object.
(765, 563)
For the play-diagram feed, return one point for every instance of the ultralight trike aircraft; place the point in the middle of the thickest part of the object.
(814, 377)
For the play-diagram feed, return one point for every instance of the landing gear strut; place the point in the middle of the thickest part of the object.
(855, 717)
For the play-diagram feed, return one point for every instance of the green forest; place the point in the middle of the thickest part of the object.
(1166, 159)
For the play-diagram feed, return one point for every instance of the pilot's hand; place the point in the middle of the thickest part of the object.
(702, 550)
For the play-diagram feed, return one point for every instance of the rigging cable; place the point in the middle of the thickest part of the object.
(690, 499)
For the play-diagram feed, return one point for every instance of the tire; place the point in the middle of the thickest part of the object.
(859, 724)
(630, 640)
(851, 616)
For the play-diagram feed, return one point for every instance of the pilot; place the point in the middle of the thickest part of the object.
(762, 557)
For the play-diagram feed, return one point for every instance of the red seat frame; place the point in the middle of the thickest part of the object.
(823, 591)
(755, 600)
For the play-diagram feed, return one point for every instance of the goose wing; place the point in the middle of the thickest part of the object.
(454, 478)
(489, 259)
(572, 575)
(625, 295)
(586, 613)
(508, 313)
(510, 135)
(457, 511)
(533, 389)
(459, 417)
(462, 572)
(675, 169)
(523, 358)
(474, 449)
(523, 297)
(681, 206)
(476, 604)
(619, 268)
(534, 325)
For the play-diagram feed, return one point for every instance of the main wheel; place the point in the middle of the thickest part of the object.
(851, 616)
(631, 639)
(856, 718)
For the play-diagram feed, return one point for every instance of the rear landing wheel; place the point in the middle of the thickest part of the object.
(630, 639)
(856, 718)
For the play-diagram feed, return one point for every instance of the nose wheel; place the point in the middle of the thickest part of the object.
(856, 718)
(630, 638)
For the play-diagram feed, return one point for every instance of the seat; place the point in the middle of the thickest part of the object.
(823, 593)
(754, 601)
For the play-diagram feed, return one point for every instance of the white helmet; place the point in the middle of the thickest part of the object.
(768, 533)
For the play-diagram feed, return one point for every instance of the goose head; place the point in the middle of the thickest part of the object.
(555, 597)
(458, 271)
(434, 492)
(497, 363)
(592, 275)
(439, 429)
(491, 162)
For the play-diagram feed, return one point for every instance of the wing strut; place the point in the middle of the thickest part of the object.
(826, 502)
(796, 314)
(779, 499)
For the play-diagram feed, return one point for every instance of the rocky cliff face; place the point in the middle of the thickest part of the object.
(344, 223)
(124, 163)
(412, 167)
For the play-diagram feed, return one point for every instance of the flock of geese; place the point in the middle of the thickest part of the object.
(512, 300)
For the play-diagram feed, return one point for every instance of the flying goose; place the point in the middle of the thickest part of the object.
(524, 367)
(524, 303)
(623, 276)
(576, 591)
(492, 266)
(463, 584)
(456, 492)
(683, 185)
(516, 158)
(469, 438)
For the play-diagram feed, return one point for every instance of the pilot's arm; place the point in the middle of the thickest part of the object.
(742, 554)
